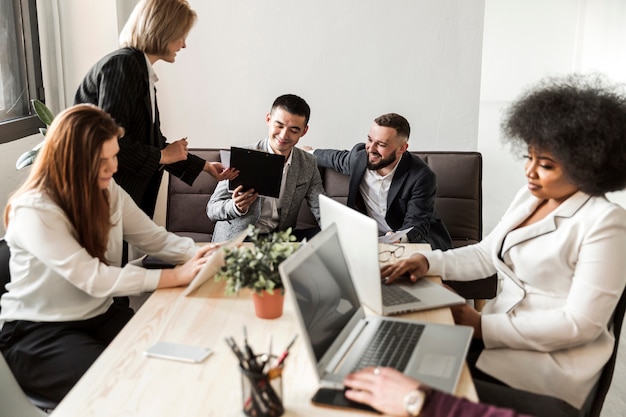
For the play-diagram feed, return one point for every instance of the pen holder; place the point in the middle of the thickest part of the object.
(262, 391)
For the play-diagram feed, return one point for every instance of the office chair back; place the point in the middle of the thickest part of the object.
(602, 388)
(14, 401)
(5, 276)
(34, 400)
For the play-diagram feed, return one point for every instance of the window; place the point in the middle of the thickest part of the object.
(20, 69)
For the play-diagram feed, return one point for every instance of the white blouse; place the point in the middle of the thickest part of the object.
(54, 278)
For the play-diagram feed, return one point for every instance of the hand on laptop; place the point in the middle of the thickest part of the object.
(381, 388)
(417, 266)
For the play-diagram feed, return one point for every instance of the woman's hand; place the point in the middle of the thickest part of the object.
(183, 274)
(174, 152)
(465, 315)
(417, 266)
(381, 388)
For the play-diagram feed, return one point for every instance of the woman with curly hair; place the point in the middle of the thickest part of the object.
(558, 252)
(64, 227)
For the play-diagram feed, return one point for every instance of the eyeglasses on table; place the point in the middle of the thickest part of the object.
(396, 251)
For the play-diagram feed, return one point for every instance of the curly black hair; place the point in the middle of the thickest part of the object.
(581, 121)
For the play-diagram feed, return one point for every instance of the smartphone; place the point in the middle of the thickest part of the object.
(331, 397)
(178, 352)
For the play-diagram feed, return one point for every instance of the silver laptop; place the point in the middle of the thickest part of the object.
(339, 336)
(358, 234)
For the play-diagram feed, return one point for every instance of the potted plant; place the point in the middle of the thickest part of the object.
(46, 116)
(255, 266)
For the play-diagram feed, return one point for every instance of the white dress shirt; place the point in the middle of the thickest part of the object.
(152, 76)
(374, 189)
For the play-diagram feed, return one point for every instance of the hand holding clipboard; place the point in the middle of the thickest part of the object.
(258, 170)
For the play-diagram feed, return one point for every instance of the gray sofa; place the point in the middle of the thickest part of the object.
(458, 204)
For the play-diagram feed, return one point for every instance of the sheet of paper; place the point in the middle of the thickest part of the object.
(225, 158)
(395, 236)
(213, 264)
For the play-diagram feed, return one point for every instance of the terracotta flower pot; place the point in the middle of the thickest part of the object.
(268, 306)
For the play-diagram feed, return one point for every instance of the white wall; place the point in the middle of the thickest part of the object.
(352, 60)
(524, 42)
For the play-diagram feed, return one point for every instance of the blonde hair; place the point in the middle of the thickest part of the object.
(67, 168)
(153, 24)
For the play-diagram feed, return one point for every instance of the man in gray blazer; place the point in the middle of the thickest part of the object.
(234, 211)
(389, 184)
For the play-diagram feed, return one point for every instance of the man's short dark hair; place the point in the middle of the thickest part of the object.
(294, 105)
(395, 121)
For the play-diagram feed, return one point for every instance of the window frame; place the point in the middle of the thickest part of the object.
(22, 127)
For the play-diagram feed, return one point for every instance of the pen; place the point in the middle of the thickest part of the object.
(283, 355)
(254, 365)
(264, 360)
(233, 346)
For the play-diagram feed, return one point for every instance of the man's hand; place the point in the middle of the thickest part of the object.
(243, 199)
(174, 152)
(217, 171)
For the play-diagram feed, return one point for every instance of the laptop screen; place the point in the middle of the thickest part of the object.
(324, 292)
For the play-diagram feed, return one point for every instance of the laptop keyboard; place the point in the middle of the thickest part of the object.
(392, 345)
(394, 295)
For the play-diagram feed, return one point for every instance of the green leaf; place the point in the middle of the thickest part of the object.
(256, 266)
(42, 111)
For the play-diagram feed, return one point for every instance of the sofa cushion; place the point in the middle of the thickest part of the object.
(186, 205)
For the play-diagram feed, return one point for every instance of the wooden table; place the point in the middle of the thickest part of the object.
(124, 382)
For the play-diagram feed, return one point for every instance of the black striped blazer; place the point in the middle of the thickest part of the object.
(119, 84)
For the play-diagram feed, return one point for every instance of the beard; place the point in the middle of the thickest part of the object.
(382, 163)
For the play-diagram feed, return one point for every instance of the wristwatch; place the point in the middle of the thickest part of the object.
(414, 400)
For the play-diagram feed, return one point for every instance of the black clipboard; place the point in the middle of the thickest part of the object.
(260, 170)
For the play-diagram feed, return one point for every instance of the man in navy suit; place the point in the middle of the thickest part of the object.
(389, 184)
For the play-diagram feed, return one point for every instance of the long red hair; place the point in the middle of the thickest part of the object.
(66, 169)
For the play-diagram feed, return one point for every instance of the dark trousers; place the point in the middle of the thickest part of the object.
(493, 391)
(48, 359)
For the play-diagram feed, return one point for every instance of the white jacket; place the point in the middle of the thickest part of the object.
(560, 280)
(53, 278)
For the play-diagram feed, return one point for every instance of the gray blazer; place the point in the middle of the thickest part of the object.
(303, 183)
